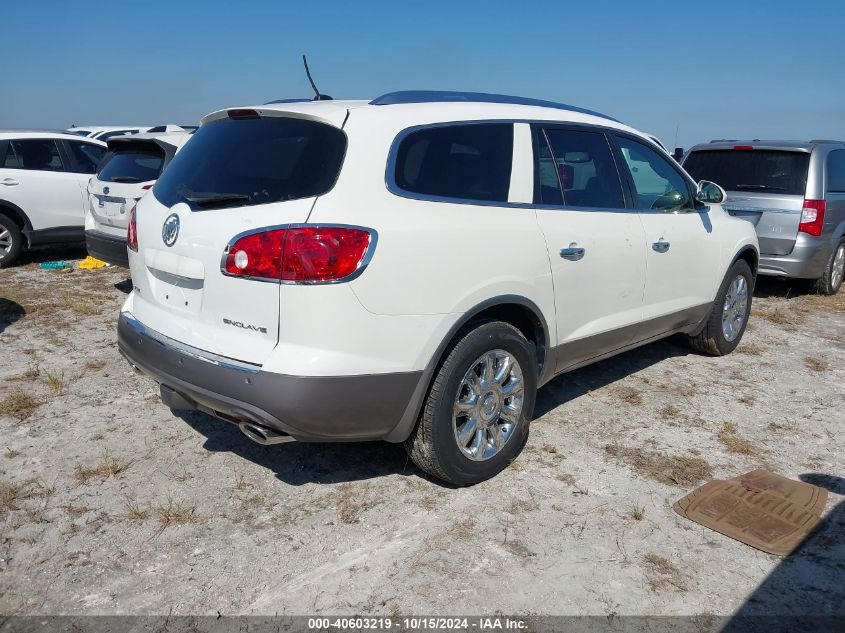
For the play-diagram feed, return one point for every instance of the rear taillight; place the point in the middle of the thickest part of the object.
(257, 255)
(305, 254)
(812, 217)
(132, 231)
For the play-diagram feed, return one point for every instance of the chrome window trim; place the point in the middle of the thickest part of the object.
(362, 265)
(187, 350)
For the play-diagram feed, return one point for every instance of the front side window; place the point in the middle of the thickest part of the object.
(40, 154)
(836, 171)
(87, 156)
(244, 162)
(657, 185)
(464, 162)
(576, 168)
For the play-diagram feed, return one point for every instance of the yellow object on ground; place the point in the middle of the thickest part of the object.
(89, 263)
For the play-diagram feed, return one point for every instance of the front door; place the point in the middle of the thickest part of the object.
(682, 251)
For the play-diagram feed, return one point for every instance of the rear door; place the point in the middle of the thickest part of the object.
(235, 175)
(35, 177)
(765, 186)
(595, 243)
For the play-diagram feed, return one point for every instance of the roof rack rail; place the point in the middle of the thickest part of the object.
(441, 96)
(288, 101)
(723, 140)
(826, 140)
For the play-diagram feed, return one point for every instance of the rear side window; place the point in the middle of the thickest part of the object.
(657, 184)
(87, 156)
(238, 162)
(39, 154)
(760, 170)
(836, 171)
(132, 164)
(576, 168)
(464, 162)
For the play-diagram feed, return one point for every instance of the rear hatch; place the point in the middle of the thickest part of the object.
(765, 186)
(234, 175)
(128, 171)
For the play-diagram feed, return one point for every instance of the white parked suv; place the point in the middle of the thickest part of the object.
(43, 181)
(128, 171)
(412, 269)
(105, 132)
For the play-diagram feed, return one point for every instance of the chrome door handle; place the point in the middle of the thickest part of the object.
(661, 247)
(573, 253)
(9, 182)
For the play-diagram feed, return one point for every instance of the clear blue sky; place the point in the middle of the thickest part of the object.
(713, 69)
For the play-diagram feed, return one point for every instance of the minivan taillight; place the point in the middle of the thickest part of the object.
(132, 231)
(304, 254)
(812, 217)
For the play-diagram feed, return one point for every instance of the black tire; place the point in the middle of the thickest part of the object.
(826, 284)
(8, 257)
(432, 444)
(711, 340)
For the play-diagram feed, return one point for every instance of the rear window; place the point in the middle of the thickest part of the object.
(241, 162)
(135, 164)
(466, 162)
(766, 171)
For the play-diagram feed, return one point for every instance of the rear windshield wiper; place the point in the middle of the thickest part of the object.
(215, 198)
(759, 188)
(125, 179)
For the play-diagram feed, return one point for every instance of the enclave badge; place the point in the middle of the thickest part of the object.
(170, 230)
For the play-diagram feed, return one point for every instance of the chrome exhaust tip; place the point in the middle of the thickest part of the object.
(263, 435)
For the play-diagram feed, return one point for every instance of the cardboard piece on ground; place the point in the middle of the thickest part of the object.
(760, 508)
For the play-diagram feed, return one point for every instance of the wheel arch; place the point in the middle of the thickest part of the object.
(516, 310)
(17, 214)
(750, 255)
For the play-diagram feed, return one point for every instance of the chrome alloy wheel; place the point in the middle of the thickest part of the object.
(736, 304)
(5, 241)
(488, 405)
(838, 266)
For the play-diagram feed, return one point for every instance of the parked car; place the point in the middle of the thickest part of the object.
(105, 132)
(43, 178)
(794, 195)
(128, 171)
(173, 128)
(412, 269)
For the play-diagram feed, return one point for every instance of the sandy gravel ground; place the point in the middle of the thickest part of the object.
(112, 504)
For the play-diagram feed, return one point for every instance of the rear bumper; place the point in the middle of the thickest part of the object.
(107, 248)
(309, 408)
(807, 260)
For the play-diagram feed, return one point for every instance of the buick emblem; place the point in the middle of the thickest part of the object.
(170, 230)
(106, 190)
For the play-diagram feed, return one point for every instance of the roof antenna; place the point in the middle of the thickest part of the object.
(317, 95)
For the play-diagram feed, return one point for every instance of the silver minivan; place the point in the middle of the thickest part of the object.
(794, 195)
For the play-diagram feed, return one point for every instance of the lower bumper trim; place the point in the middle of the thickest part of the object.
(308, 408)
(107, 248)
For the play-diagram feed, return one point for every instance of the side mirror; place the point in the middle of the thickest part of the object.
(710, 193)
(678, 154)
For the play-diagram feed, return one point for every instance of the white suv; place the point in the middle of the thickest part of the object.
(126, 173)
(412, 269)
(43, 181)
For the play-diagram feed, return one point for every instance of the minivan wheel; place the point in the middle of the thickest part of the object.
(475, 419)
(729, 316)
(831, 281)
(11, 241)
